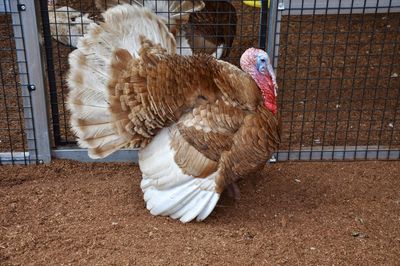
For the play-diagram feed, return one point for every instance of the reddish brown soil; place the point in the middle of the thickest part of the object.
(308, 213)
(292, 213)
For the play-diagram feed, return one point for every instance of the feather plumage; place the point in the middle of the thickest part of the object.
(212, 29)
(200, 123)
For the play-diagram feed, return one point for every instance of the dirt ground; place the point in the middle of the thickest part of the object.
(291, 213)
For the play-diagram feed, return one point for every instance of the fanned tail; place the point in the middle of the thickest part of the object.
(98, 120)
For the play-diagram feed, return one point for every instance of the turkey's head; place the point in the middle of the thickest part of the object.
(256, 63)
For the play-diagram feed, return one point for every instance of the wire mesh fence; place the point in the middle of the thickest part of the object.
(17, 134)
(222, 28)
(338, 64)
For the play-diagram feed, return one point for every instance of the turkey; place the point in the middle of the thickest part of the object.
(198, 27)
(212, 29)
(200, 123)
(170, 11)
(203, 26)
(67, 25)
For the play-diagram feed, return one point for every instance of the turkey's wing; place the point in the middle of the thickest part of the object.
(252, 146)
(209, 128)
(157, 88)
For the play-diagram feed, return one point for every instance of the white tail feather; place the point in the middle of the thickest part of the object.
(94, 122)
(94, 114)
(170, 192)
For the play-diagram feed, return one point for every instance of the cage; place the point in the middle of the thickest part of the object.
(337, 64)
(20, 75)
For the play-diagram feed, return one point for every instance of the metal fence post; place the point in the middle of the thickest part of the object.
(32, 80)
(274, 26)
(263, 25)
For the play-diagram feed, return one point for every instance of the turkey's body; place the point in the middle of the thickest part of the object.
(200, 123)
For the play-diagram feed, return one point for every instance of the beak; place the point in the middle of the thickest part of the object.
(262, 69)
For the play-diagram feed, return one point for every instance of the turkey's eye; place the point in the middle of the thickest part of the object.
(262, 60)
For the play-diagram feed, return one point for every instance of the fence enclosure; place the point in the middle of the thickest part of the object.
(23, 132)
(337, 66)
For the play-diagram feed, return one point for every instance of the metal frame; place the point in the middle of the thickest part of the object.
(274, 25)
(262, 41)
(335, 153)
(4, 6)
(325, 153)
(32, 83)
(74, 153)
(320, 7)
(51, 76)
(278, 8)
(274, 15)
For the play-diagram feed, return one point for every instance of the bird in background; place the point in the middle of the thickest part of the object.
(212, 30)
(200, 124)
(198, 26)
(67, 25)
(207, 26)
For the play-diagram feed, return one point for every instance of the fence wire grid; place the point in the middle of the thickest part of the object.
(17, 132)
(230, 24)
(337, 64)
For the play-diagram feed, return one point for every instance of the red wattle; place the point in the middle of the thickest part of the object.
(266, 86)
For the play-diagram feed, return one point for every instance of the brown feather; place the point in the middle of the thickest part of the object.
(211, 115)
(209, 128)
(217, 107)
(165, 86)
(253, 145)
(211, 27)
(190, 160)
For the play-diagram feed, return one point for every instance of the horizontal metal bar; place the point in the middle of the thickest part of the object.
(14, 158)
(339, 153)
(77, 154)
(306, 154)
